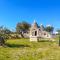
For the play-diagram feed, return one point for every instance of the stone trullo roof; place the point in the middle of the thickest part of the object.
(35, 25)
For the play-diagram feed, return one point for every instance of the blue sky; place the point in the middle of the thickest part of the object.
(43, 11)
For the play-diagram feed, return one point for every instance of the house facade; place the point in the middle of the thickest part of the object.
(37, 32)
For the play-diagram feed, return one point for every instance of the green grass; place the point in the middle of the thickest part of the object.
(23, 49)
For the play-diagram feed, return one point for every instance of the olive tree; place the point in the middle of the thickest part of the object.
(22, 27)
(49, 28)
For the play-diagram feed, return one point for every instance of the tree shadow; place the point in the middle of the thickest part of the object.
(43, 41)
(16, 45)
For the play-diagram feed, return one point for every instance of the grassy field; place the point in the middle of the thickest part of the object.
(23, 49)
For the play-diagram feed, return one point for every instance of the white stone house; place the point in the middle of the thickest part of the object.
(37, 32)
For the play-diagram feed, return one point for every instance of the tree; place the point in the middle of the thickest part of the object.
(49, 29)
(4, 32)
(2, 41)
(7, 31)
(22, 27)
(58, 31)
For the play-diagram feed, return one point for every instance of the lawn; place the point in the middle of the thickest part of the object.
(23, 49)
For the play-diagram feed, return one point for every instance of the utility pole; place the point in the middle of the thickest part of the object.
(59, 40)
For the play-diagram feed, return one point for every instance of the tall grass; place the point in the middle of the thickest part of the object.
(23, 49)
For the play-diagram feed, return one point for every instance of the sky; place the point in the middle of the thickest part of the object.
(46, 12)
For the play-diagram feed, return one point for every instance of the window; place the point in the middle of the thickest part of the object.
(39, 30)
(44, 33)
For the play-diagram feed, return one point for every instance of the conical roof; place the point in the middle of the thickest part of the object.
(35, 25)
